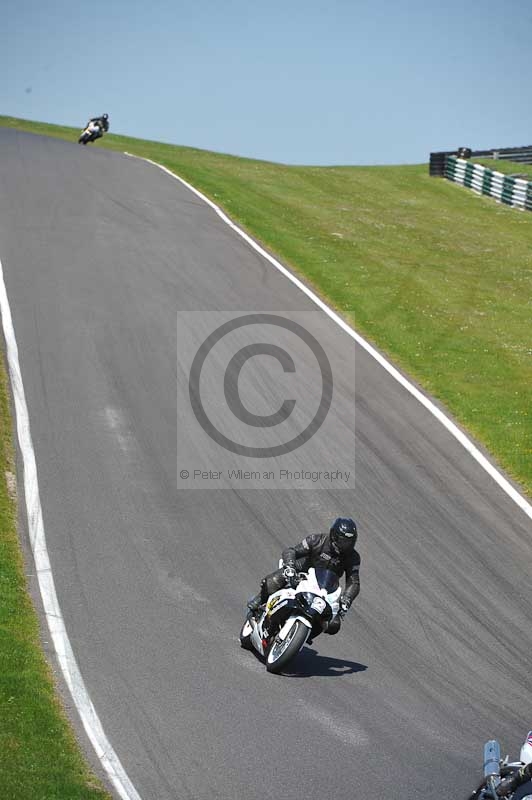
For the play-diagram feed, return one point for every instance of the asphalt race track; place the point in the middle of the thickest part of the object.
(108, 263)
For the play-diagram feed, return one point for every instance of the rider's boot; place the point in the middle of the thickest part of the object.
(254, 604)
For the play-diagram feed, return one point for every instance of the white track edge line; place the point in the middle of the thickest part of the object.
(54, 618)
(464, 440)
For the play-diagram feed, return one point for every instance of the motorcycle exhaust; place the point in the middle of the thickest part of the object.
(492, 758)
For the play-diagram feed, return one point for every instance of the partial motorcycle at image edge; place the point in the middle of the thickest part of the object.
(292, 616)
(504, 778)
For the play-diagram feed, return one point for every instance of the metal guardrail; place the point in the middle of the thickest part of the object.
(523, 156)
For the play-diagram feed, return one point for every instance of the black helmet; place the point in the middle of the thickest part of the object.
(105, 116)
(343, 534)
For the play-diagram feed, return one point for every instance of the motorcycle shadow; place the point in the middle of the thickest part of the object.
(308, 663)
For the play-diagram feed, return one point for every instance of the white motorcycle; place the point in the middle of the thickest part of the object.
(292, 615)
(92, 132)
(496, 769)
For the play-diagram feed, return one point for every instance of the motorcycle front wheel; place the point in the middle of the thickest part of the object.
(284, 650)
(245, 636)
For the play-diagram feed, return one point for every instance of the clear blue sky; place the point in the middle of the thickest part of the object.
(337, 82)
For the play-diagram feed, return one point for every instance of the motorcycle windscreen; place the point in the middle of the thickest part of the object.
(327, 579)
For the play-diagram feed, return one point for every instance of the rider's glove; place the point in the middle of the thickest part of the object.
(344, 607)
(510, 784)
(289, 562)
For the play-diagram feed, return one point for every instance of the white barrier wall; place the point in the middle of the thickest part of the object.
(514, 192)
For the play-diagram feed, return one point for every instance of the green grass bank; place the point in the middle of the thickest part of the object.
(506, 167)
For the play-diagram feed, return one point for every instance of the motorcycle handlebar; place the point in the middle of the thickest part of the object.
(291, 576)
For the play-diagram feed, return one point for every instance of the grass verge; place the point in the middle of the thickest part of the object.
(507, 167)
(39, 757)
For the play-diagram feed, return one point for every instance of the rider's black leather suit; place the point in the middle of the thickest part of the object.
(317, 551)
(103, 123)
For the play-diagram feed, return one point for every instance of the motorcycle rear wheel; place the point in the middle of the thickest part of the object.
(284, 650)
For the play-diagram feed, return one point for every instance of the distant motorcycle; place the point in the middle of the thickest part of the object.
(92, 132)
(495, 770)
(291, 616)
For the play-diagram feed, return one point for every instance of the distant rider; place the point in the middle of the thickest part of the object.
(334, 550)
(101, 122)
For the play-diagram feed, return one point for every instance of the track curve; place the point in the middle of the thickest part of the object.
(100, 254)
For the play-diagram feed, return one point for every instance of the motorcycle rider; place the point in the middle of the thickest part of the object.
(521, 775)
(334, 550)
(101, 122)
